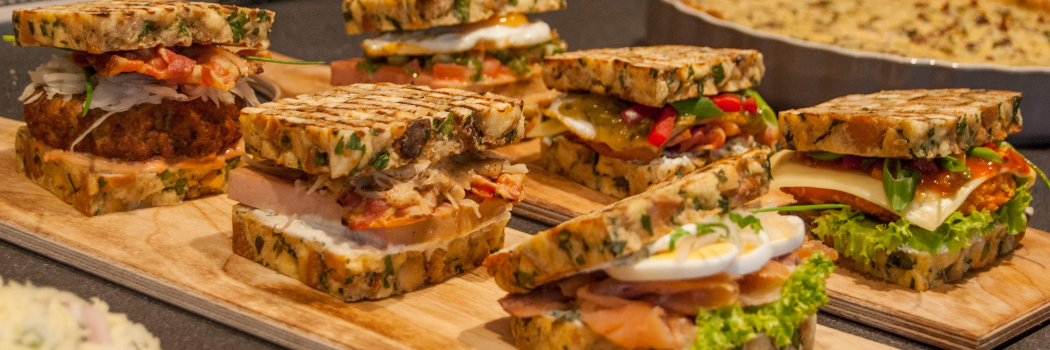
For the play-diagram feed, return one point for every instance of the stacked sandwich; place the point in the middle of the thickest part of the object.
(46, 318)
(644, 115)
(476, 45)
(143, 111)
(928, 189)
(681, 266)
(367, 191)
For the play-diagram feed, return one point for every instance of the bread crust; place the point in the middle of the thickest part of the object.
(94, 193)
(382, 15)
(108, 25)
(655, 75)
(365, 272)
(625, 227)
(903, 123)
(390, 125)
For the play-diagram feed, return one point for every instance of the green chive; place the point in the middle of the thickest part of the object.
(88, 94)
(821, 155)
(802, 208)
(954, 165)
(899, 183)
(986, 153)
(263, 59)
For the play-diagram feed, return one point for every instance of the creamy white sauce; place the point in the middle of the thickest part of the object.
(455, 39)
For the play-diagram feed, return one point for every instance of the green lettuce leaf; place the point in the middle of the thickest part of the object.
(800, 297)
(859, 237)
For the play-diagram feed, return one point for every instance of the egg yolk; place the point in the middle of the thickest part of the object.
(511, 20)
(708, 251)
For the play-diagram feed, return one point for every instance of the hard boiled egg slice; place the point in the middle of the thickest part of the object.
(756, 252)
(705, 261)
(786, 232)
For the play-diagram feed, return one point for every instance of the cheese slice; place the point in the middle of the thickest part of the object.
(927, 210)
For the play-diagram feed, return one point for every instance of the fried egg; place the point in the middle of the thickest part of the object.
(457, 39)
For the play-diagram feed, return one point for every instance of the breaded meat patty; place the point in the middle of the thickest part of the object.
(170, 129)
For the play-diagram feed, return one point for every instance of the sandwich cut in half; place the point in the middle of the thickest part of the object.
(681, 266)
(34, 317)
(638, 116)
(141, 111)
(927, 188)
(368, 191)
(477, 45)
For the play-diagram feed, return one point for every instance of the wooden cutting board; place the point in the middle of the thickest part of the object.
(182, 255)
(986, 310)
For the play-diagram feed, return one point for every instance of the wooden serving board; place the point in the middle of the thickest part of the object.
(981, 312)
(182, 255)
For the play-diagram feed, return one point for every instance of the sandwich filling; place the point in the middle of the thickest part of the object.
(500, 51)
(931, 206)
(634, 132)
(714, 284)
(457, 190)
(166, 103)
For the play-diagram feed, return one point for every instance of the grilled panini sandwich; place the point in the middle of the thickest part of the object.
(143, 111)
(929, 188)
(368, 191)
(476, 45)
(638, 116)
(681, 266)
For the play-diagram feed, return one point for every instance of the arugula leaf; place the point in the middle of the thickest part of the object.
(899, 183)
(700, 107)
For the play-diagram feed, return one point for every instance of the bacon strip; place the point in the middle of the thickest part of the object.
(507, 187)
(209, 65)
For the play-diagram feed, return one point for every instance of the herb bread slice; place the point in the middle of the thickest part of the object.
(104, 26)
(563, 330)
(623, 178)
(625, 227)
(389, 15)
(360, 128)
(903, 123)
(353, 272)
(97, 192)
(655, 75)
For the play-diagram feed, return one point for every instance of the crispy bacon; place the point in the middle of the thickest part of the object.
(634, 324)
(209, 65)
(506, 188)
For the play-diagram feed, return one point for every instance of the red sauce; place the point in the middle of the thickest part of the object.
(934, 178)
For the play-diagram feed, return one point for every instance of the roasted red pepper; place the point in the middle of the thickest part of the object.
(728, 103)
(663, 128)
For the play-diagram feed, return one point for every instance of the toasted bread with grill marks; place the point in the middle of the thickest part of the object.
(903, 123)
(625, 227)
(104, 26)
(395, 15)
(359, 128)
(655, 75)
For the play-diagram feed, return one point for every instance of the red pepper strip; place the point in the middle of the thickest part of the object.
(663, 128)
(751, 105)
(728, 103)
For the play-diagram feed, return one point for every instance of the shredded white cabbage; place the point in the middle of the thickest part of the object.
(46, 318)
(119, 93)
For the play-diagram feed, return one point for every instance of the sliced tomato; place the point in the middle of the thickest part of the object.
(663, 128)
(728, 102)
(768, 136)
(635, 113)
(490, 67)
(391, 74)
(346, 72)
(751, 105)
(451, 71)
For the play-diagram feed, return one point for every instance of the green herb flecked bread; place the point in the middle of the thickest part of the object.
(903, 123)
(386, 15)
(359, 128)
(625, 227)
(563, 330)
(655, 75)
(96, 193)
(353, 272)
(103, 26)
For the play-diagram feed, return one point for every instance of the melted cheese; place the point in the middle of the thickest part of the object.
(927, 210)
(154, 165)
(457, 39)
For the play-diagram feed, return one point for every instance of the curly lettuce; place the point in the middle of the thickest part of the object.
(801, 295)
(859, 237)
